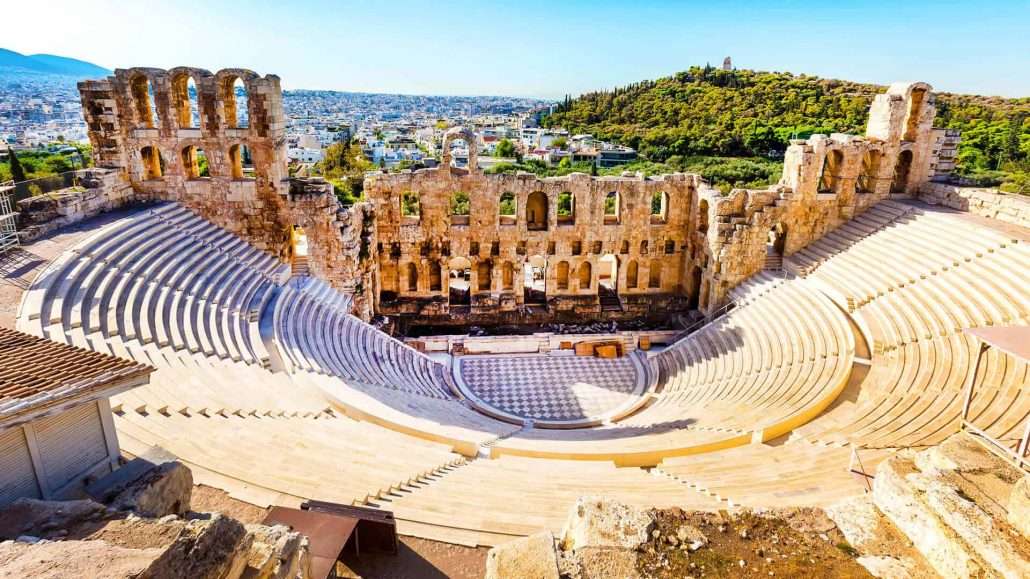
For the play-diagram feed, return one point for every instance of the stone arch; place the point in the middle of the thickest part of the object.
(185, 103)
(534, 283)
(632, 272)
(153, 163)
(702, 216)
(694, 293)
(585, 274)
(608, 276)
(458, 283)
(507, 209)
(902, 170)
(917, 97)
(868, 174)
(659, 207)
(411, 276)
(654, 274)
(235, 107)
(536, 211)
(195, 163)
(508, 276)
(562, 275)
(459, 134)
(434, 276)
(777, 240)
(142, 91)
(238, 153)
(612, 209)
(566, 209)
(830, 177)
(484, 273)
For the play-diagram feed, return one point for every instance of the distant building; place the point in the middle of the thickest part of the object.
(945, 146)
(615, 156)
(727, 64)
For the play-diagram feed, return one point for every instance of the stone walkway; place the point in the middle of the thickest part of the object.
(552, 388)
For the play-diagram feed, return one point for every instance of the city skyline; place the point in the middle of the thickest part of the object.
(537, 49)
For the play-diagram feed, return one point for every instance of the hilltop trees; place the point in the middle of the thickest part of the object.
(17, 172)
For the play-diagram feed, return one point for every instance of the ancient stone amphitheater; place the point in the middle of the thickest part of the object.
(822, 352)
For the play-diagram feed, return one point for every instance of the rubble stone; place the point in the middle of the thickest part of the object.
(163, 490)
(531, 557)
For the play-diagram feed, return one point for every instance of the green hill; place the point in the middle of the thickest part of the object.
(745, 113)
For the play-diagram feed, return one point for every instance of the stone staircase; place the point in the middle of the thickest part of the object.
(956, 509)
(773, 261)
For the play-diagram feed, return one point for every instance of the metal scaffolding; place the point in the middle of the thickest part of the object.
(8, 225)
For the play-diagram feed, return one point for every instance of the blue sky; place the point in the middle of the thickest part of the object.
(540, 48)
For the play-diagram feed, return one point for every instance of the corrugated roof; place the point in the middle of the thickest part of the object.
(35, 371)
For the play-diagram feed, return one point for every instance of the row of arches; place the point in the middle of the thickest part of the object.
(537, 208)
(831, 176)
(195, 162)
(184, 98)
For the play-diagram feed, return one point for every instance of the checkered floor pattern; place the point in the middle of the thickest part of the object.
(551, 388)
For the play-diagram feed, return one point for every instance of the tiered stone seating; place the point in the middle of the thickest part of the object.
(490, 501)
(912, 285)
(318, 334)
(765, 368)
(163, 276)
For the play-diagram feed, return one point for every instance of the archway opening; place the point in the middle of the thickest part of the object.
(915, 106)
(184, 102)
(194, 163)
(566, 208)
(702, 216)
(458, 282)
(434, 276)
(460, 152)
(410, 205)
(829, 180)
(562, 275)
(535, 279)
(867, 175)
(899, 183)
(143, 98)
(235, 103)
(298, 250)
(536, 211)
(612, 208)
(654, 274)
(632, 274)
(506, 210)
(585, 275)
(777, 240)
(153, 164)
(694, 295)
(608, 280)
(484, 275)
(412, 277)
(459, 208)
(508, 276)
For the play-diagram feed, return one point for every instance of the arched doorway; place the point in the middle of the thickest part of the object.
(535, 280)
(536, 211)
(458, 282)
(899, 183)
(608, 282)
(153, 164)
(829, 180)
(774, 246)
(867, 175)
(694, 295)
(632, 273)
(298, 250)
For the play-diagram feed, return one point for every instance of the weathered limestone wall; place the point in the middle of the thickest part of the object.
(104, 190)
(1007, 207)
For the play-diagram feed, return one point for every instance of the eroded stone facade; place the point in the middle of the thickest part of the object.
(656, 244)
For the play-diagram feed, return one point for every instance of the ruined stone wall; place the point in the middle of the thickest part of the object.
(416, 253)
(1007, 207)
(102, 190)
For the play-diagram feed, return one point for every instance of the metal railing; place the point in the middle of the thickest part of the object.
(45, 185)
(8, 219)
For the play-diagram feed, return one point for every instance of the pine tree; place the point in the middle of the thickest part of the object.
(17, 171)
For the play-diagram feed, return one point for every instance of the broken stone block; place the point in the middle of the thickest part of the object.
(163, 490)
(531, 557)
(1019, 507)
(603, 522)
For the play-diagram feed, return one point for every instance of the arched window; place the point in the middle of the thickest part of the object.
(612, 209)
(654, 274)
(434, 277)
(624, 250)
(484, 272)
(143, 98)
(508, 276)
(410, 206)
(184, 101)
(915, 106)
(829, 180)
(236, 153)
(566, 208)
(632, 270)
(459, 208)
(702, 216)
(899, 183)
(153, 164)
(694, 296)
(585, 275)
(458, 293)
(867, 175)
(643, 247)
(235, 103)
(412, 277)
(563, 275)
(536, 211)
(506, 210)
(659, 207)
(194, 163)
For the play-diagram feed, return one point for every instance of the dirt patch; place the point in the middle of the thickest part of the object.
(421, 559)
(207, 499)
(783, 543)
(128, 532)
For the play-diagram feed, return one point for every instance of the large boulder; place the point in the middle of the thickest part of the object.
(162, 490)
(603, 522)
(1019, 506)
(205, 549)
(531, 557)
(277, 553)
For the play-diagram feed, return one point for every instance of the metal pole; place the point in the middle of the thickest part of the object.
(970, 381)
(1025, 441)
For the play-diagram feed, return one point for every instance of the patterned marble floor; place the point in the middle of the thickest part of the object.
(550, 388)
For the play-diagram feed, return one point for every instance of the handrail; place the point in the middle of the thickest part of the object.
(996, 447)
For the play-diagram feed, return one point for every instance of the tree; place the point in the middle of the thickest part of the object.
(560, 142)
(505, 149)
(17, 172)
(382, 162)
(593, 168)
